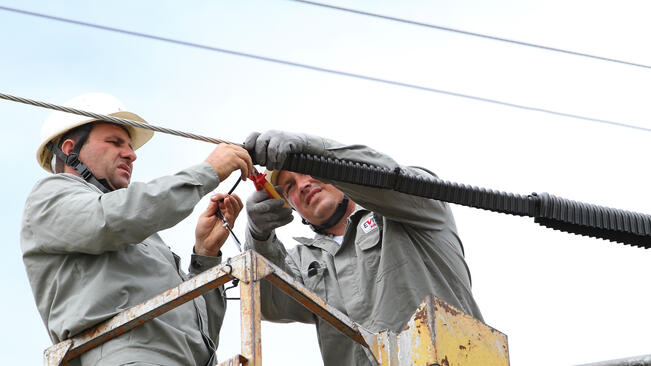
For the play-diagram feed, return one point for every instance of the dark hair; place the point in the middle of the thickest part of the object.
(75, 135)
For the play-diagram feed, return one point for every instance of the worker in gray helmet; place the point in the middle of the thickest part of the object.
(90, 244)
(375, 256)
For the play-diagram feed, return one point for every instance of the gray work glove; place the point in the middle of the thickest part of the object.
(266, 214)
(271, 148)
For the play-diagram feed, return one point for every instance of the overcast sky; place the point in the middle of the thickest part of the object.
(561, 299)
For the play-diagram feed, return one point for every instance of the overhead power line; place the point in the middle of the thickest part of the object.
(113, 119)
(473, 34)
(326, 70)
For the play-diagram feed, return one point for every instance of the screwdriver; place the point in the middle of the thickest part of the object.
(260, 182)
(220, 215)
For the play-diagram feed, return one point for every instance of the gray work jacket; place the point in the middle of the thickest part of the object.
(90, 256)
(396, 250)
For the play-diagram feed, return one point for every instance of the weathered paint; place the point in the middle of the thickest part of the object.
(416, 341)
(437, 334)
(250, 324)
(373, 343)
(243, 263)
(315, 304)
(236, 360)
(141, 313)
(54, 355)
(389, 348)
(463, 340)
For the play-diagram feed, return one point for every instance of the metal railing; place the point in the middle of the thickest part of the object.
(436, 334)
(644, 360)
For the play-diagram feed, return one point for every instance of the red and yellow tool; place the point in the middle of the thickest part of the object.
(260, 182)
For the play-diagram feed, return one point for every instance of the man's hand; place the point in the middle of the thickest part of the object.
(266, 214)
(210, 233)
(271, 148)
(227, 158)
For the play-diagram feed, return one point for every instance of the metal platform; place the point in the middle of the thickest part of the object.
(437, 334)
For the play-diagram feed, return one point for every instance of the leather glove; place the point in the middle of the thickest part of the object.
(271, 148)
(266, 214)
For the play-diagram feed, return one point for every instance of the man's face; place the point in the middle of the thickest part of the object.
(109, 155)
(313, 199)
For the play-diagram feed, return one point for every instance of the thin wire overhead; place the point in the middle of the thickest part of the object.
(473, 34)
(118, 120)
(326, 70)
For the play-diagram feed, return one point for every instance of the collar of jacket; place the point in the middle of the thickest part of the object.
(324, 241)
(83, 181)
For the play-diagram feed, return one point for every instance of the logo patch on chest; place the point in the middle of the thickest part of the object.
(368, 225)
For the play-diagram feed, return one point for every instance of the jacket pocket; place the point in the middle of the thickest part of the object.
(314, 278)
(369, 232)
(368, 241)
(368, 246)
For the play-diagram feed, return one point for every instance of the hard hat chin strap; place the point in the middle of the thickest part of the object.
(72, 160)
(340, 211)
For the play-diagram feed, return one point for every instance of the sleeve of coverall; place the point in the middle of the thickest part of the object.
(68, 215)
(416, 211)
(215, 299)
(276, 305)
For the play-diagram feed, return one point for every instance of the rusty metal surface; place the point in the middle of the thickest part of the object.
(54, 355)
(373, 342)
(314, 303)
(242, 268)
(439, 334)
(388, 348)
(250, 316)
(463, 340)
(416, 343)
(237, 360)
(139, 314)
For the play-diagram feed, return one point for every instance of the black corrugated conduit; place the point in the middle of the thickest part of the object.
(547, 210)
(554, 212)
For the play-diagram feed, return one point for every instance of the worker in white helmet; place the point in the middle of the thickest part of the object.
(90, 243)
(376, 253)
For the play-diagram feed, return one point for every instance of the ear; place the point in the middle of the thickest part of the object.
(67, 146)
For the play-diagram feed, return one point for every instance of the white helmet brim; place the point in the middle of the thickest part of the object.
(58, 123)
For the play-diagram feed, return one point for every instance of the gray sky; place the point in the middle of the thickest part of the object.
(560, 298)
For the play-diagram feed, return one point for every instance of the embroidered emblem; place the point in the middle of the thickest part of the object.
(368, 225)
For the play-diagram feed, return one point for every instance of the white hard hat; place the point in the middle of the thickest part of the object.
(58, 123)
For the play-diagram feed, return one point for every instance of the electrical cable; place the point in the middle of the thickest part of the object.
(558, 213)
(473, 34)
(220, 215)
(120, 121)
(132, 123)
(333, 71)
(554, 212)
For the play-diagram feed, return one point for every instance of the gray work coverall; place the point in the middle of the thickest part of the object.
(90, 256)
(397, 249)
